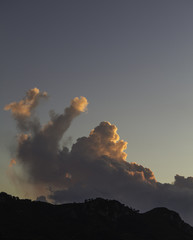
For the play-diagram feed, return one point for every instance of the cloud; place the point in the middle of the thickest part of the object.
(22, 110)
(182, 182)
(96, 166)
(13, 161)
(39, 151)
(102, 141)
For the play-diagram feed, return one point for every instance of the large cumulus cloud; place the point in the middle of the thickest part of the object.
(96, 166)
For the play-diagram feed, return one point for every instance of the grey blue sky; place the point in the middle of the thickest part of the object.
(132, 60)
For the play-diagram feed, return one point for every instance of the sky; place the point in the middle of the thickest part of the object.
(132, 62)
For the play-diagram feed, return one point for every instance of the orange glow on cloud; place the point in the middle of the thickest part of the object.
(68, 175)
(13, 162)
(80, 104)
(23, 137)
(23, 108)
(106, 141)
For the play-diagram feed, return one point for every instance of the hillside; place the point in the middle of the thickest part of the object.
(94, 219)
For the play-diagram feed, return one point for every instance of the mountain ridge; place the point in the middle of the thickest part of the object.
(95, 218)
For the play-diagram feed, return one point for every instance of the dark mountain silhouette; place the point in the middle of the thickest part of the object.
(95, 219)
